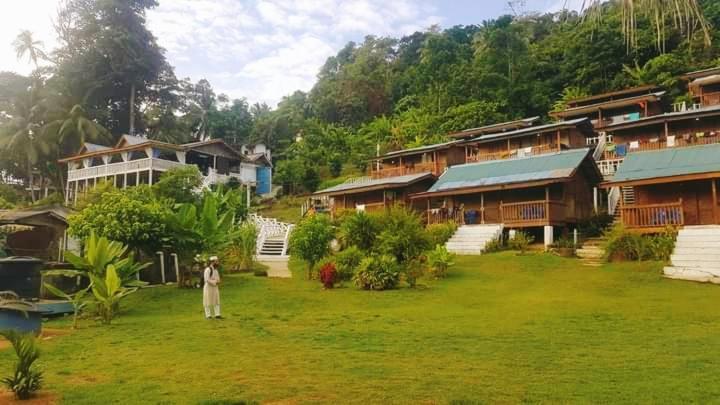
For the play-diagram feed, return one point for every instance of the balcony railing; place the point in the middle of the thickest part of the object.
(608, 167)
(653, 215)
(511, 154)
(444, 215)
(532, 212)
(618, 151)
(429, 167)
(113, 169)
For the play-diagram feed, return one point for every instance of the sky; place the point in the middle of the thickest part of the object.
(265, 49)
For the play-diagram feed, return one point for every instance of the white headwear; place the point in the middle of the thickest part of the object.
(213, 258)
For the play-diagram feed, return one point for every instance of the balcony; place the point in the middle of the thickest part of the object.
(532, 213)
(710, 99)
(608, 167)
(652, 217)
(512, 154)
(444, 215)
(113, 169)
(429, 167)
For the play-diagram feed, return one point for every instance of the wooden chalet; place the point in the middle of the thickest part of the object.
(671, 187)
(704, 86)
(432, 158)
(548, 190)
(615, 107)
(528, 141)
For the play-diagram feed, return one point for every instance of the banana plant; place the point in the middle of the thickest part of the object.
(108, 292)
(77, 299)
(100, 252)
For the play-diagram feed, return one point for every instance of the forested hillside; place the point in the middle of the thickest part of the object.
(395, 92)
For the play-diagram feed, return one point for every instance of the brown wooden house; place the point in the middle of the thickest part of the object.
(431, 158)
(549, 190)
(671, 187)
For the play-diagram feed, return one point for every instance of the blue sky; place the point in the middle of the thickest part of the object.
(265, 49)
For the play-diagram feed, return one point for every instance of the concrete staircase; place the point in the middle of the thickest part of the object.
(273, 247)
(591, 254)
(471, 239)
(697, 255)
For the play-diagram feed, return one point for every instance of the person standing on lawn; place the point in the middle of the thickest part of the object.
(211, 291)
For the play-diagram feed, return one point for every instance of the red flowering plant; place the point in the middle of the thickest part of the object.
(328, 275)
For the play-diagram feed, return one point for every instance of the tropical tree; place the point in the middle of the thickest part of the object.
(684, 15)
(25, 44)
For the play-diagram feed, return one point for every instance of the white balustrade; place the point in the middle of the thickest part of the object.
(269, 228)
(113, 169)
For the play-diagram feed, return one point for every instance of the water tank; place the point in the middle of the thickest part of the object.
(21, 275)
(264, 180)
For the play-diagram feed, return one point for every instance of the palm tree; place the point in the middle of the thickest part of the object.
(685, 15)
(68, 132)
(25, 45)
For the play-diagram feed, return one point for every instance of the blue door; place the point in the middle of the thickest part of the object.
(264, 180)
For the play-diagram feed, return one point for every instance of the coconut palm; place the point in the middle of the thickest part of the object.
(685, 15)
(25, 45)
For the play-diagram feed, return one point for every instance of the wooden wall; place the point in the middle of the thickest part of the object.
(677, 128)
(696, 195)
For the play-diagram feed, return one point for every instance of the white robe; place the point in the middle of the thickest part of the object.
(211, 292)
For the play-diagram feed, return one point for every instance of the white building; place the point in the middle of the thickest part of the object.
(135, 160)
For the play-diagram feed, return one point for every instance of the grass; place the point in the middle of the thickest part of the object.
(285, 209)
(500, 328)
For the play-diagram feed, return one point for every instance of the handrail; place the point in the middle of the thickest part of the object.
(653, 215)
(530, 211)
(608, 167)
(613, 199)
(443, 215)
(416, 168)
(511, 154)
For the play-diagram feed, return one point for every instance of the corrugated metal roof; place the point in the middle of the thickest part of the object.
(92, 147)
(371, 183)
(419, 149)
(669, 162)
(531, 130)
(536, 168)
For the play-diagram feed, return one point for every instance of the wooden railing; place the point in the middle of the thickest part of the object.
(405, 170)
(653, 215)
(679, 141)
(532, 212)
(443, 215)
(709, 99)
(374, 207)
(510, 154)
(608, 167)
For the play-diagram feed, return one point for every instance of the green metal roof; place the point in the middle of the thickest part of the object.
(669, 162)
(535, 168)
(355, 185)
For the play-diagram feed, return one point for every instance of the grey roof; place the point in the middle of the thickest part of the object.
(21, 216)
(133, 140)
(620, 100)
(92, 147)
(551, 166)
(419, 149)
(531, 130)
(388, 182)
(670, 162)
(469, 131)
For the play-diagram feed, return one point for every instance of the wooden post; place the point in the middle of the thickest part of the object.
(435, 161)
(150, 177)
(714, 199)
(682, 213)
(558, 140)
(384, 202)
(667, 132)
(502, 214)
(508, 145)
(344, 201)
(162, 266)
(600, 118)
(482, 208)
(428, 211)
(402, 171)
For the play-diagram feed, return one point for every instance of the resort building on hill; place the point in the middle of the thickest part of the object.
(135, 160)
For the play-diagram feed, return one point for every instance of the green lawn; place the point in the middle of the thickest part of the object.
(500, 328)
(285, 209)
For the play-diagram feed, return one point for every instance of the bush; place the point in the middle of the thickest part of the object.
(413, 270)
(439, 261)
(402, 235)
(439, 234)
(359, 229)
(240, 255)
(624, 245)
(595, 225)
(347, 262)
(563, 243)
(26, 379)
(310, 240)
(378, 272)
(179, 185)
(521, 241)
(260, 273)
(328, 275)
(493, 246)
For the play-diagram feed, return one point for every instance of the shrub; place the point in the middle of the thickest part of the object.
(563, 243)
(240, 255)
(108, 292)
(26, 379)
(441, 233)
(260, 273)
(328, 275)
(439, 261)
(359, 229)
(347, 262)
(624, 245)
(521, 241)
(402, 236)
(310, 240)
(595, 225)
(495, 245)
(179, 185)
(378, 272)
(413, 270)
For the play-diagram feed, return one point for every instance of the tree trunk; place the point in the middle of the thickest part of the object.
(30, 181)
(131, 129)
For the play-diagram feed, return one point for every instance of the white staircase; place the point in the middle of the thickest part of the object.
(697, 255)
(471, 239)
(273, 236)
